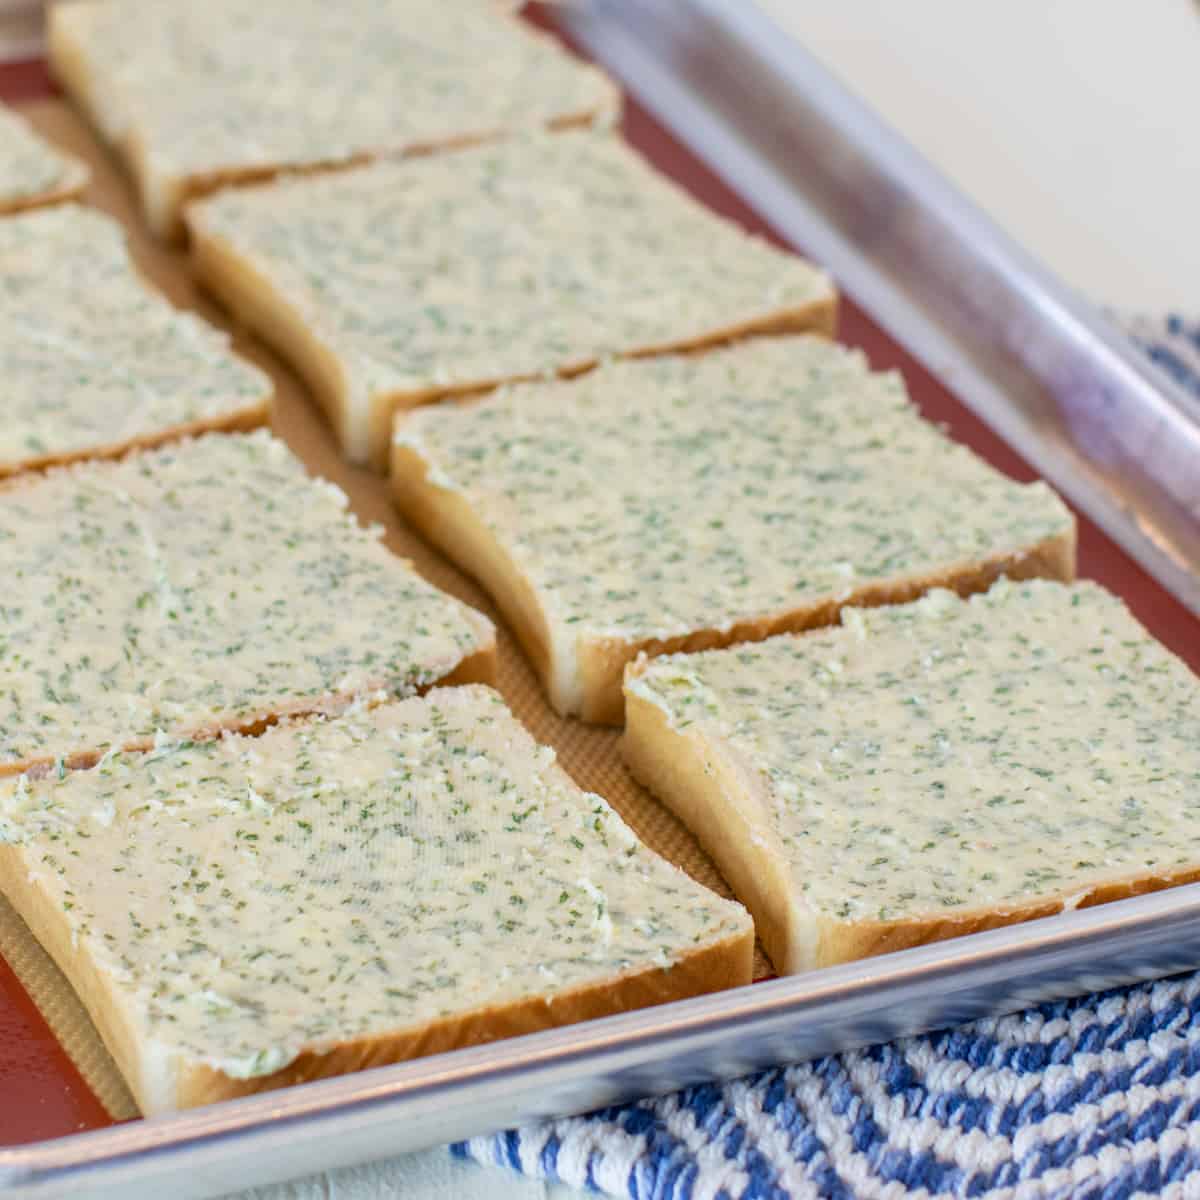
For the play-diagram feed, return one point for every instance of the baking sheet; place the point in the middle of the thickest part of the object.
(941, 984)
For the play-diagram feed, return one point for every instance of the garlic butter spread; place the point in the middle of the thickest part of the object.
(29, 166)
(90, 356)
(653, 498)
(946, 754)
(208, 581)
(355, 876)
(509, 260)
(228, 84)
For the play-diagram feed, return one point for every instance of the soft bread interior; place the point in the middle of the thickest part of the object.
(447, 521)
(259, 306)
(718, 801)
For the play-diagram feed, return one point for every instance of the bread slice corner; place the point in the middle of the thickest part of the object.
(79, 231)
(164, 194)
(26, 151)
(446, 519)
(724, 792)
(723, 807)
(71, 187)
(258, 306)
(67, 34)
(49, 923)
(585, 972)
(591, 685)
(218, 477)
(255, 414)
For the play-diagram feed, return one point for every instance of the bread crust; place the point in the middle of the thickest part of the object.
(714, 967)
(478, 667)
(48, 924)
(722, 963)
(718, 799)
(447, 520)
(254, 415)
(71, 188)
(252, 299)
(164, 197)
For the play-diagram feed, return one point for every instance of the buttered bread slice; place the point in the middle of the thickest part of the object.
(200, 96)
(32, 171)
(931, 769)
(688, 502)
(400, 283)
(205, 585)
(251, 912)
(94, 362)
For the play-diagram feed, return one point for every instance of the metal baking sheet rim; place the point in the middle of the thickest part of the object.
(1052, 376)
(389, 1110)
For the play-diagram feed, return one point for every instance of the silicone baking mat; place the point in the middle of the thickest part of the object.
(55, 1075)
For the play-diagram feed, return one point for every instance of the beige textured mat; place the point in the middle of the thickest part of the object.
(588, 753)
(64, 1013)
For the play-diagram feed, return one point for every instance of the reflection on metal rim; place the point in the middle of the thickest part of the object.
(1049, 374)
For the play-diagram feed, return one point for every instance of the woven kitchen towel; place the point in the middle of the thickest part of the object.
(1174, 344)
(1097, 1097)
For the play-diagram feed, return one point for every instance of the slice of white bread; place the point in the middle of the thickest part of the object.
(34, 173)
(246, 913)
(94, 361)
(195, 97)
(685, 503)
(204, 585)
(931, 769)
(400, 283)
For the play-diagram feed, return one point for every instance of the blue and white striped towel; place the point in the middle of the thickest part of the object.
(1097, 1097)
(1174, 344)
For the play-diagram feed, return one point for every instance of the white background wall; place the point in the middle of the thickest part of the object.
(1076, 123)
